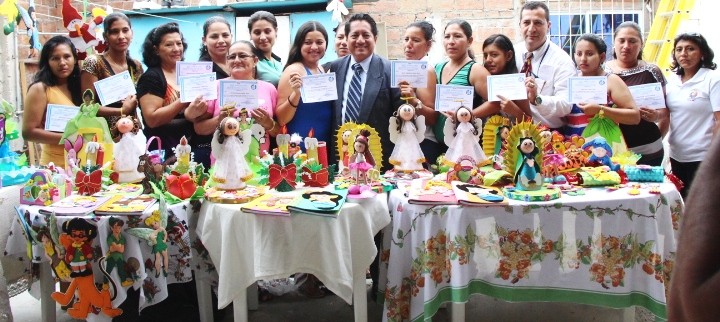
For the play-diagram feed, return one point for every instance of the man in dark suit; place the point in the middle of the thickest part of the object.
(369, 99)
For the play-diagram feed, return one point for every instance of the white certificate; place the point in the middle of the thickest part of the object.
(57, 117)
(198, 85)
(450, 97)
(511, 86)
(648, 95)
(183, 68)
(319, 88)
(114, 88)
(412, 71)
(587, 89)
(239, 93)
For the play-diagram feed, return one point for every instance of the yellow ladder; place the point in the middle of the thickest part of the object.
(668, 17)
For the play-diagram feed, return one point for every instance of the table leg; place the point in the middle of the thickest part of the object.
(204, 299)
(240, 310)
(47, 287)
(629, 314)
(457, 312)
(360, 296)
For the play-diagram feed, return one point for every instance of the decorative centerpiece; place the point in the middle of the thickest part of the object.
(183, 154)
(523, 158)
(315, 171)
(85, 136)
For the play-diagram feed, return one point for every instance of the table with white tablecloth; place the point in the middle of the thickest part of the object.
(246, 248)
(604, 248)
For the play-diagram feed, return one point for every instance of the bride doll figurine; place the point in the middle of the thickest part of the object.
(128, 149)
(407, 130)
(229, 146)
(462, 136)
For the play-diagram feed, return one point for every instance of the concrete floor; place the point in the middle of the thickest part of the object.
(294, 307)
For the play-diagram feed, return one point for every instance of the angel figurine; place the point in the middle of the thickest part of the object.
(407, 130)
(229, 146)
(462, 136)
(128, 149)
(156, 235)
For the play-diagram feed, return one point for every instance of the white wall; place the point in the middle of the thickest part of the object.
(704, 20)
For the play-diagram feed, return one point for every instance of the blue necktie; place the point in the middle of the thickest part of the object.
(352, 107)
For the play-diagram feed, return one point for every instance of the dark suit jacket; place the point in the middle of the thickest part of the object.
(379, 101)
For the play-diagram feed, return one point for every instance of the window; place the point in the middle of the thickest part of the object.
(566, 28)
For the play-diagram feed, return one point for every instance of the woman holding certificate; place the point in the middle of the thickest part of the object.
(499, 59)
(158, 91)
(417, 42)
(589, 55)
(693, 98)
(263, 33)
(299, 116)
(645, 138)
(462, 70)
(242, 59)
(116, 59)
(56, 82)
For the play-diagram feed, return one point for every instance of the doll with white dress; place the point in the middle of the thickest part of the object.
(128, 149)
(462, 136)
(229, 146)
(407, 130)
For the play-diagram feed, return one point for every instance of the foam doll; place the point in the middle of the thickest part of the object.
(462, 136)
(345, 154)
(601, 152)
(407, 130)
(362, 160)
(128, 149)
(116, 248)
(229, 146)
(528, 175)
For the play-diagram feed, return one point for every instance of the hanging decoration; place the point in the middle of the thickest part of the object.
(83, 34)
(338, 9)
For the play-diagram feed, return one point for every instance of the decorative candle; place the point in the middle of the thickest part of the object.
(91, 150)
(311, 146)
(283, 141)
(322, 154)
(182, 152)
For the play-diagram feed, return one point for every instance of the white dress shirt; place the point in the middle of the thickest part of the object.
(553, 66)
(348, 78)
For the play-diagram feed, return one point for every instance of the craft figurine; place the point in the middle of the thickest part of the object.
(362, 160)
(128, 149)
(82, 34)
(601, 153)
(53, 251)
(182, 153)
(229, 147)
(72, 150)
(156, 235)
(462, 136)
(407, 130)
(13, 167)
(77, 240)
(116, 249)
(344, 150)
(528, 174)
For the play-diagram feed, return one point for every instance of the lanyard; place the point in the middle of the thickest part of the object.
(541, 60)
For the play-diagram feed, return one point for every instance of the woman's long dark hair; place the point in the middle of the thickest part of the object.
(153, 39)
(204, 53)
(295, 55)
(45, 74)
(107, 24)
(503, 43)
(707, 53)
(269, 17)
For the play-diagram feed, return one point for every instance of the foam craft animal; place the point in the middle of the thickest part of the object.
(77, 240)
(601, 152)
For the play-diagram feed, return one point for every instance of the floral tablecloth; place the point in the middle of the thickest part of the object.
(603, 248)
(154, 288)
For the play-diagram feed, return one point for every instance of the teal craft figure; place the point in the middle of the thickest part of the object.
(528, 175)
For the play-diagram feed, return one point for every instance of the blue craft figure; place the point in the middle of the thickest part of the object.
(528, 175)
(601, 153)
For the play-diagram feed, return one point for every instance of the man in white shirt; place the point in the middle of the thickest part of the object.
(547, 66)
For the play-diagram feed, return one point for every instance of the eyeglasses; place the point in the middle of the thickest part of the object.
(240, 56)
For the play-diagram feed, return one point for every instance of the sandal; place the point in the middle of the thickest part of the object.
(264, 295)
(311, 288)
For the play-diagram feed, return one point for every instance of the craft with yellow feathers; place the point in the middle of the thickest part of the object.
(523, 159)
(346, 135)
(495, 131)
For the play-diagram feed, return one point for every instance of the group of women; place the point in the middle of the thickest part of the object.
(692, 110)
